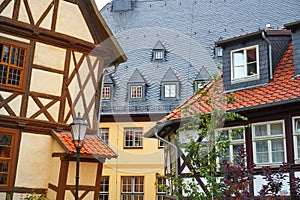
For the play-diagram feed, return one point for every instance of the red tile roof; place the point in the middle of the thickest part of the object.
(283, 88)
(93, 146)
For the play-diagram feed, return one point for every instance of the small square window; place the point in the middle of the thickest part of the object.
(158, 55)
(136, 92)
(160, 144)
(106, 92)
(133, 137)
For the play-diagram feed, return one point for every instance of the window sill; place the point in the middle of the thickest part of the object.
(245, 79)
(133, 148)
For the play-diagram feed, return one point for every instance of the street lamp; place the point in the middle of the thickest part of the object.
(78, 130)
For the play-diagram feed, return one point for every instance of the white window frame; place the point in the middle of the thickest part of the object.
(106, 92)
(104, 134)
(161, 144)
(296, 136)
(158, 55)
(103, 195)
(136, 91)
(233, 141)
(269, 138)
(160, 193)
(132, 192)
(137, 138)
(168, 90)
(246, 76)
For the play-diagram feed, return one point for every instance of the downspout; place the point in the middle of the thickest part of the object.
(263, 34)
(176, 154)
(102, 84)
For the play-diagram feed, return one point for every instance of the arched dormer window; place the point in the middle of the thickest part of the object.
(107, 89)
(170, 86)
(159, 52)
(136, 86)
(201, 78)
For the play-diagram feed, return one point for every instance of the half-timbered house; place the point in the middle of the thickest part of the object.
(52, 54)
(261, 74)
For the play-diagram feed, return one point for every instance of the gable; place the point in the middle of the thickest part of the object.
(170, 76)
(136, 77)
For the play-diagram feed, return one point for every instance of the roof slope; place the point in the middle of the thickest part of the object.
(284, 88)
(93, 146)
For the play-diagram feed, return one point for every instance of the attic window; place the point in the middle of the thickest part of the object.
(244, 63)
(159, 52)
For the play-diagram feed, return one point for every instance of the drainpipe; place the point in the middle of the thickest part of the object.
(176, 154)
(263, 34)
(102, 83)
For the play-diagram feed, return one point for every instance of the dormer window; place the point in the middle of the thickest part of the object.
(107, 89)
(244, 63)
(170, 86)
(136, 86)
(201, 79)
(106, 92)
(159, 52)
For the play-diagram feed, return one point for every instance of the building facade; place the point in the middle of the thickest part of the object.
(260, 73)
(171, 52)
(50, 69)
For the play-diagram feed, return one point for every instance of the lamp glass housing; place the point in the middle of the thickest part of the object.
(78, 129)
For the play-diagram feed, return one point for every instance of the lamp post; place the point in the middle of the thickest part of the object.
(78, 130)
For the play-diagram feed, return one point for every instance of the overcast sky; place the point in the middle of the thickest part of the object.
(101, 3)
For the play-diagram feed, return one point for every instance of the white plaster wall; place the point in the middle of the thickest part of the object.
(70, 21)
(49, 56)
(14, 104)
(14, 38)
(7, 12)
(2, 195)
(34, 162)
(259, 181)
(46, 82)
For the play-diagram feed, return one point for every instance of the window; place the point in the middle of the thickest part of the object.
(236, 137)
(160, 193)
(133, 137)
(12, 60)
(269, 142)
(6, 146)
(104, 188)
(136, 92)
(160, 144)
(296, 125)
(104, 133)
(244, 63)
(132, 188)
(170, 90)
(158, 55)
(106, 92)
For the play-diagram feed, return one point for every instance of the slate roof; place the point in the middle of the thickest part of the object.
(284, 88)
(93, 146)
(188, 31)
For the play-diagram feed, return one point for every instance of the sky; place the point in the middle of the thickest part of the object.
(101, 3)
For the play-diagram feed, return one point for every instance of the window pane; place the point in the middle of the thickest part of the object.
(238, 58)
(277, 150)
(238, 134)
(138, 197)
(5, 54)
(297, 124)
(3, 172)
(251, 55)
(139, 184)
(262, 152)
(170, 91)
(251, 69)
(106, 92)
(136, 91)
(126, 184)
(3, 74)
(276, 129)
(261, 130)
(126, 197)
(104, 134)
(14, 76)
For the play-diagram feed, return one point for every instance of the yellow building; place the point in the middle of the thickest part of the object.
(133, 174)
